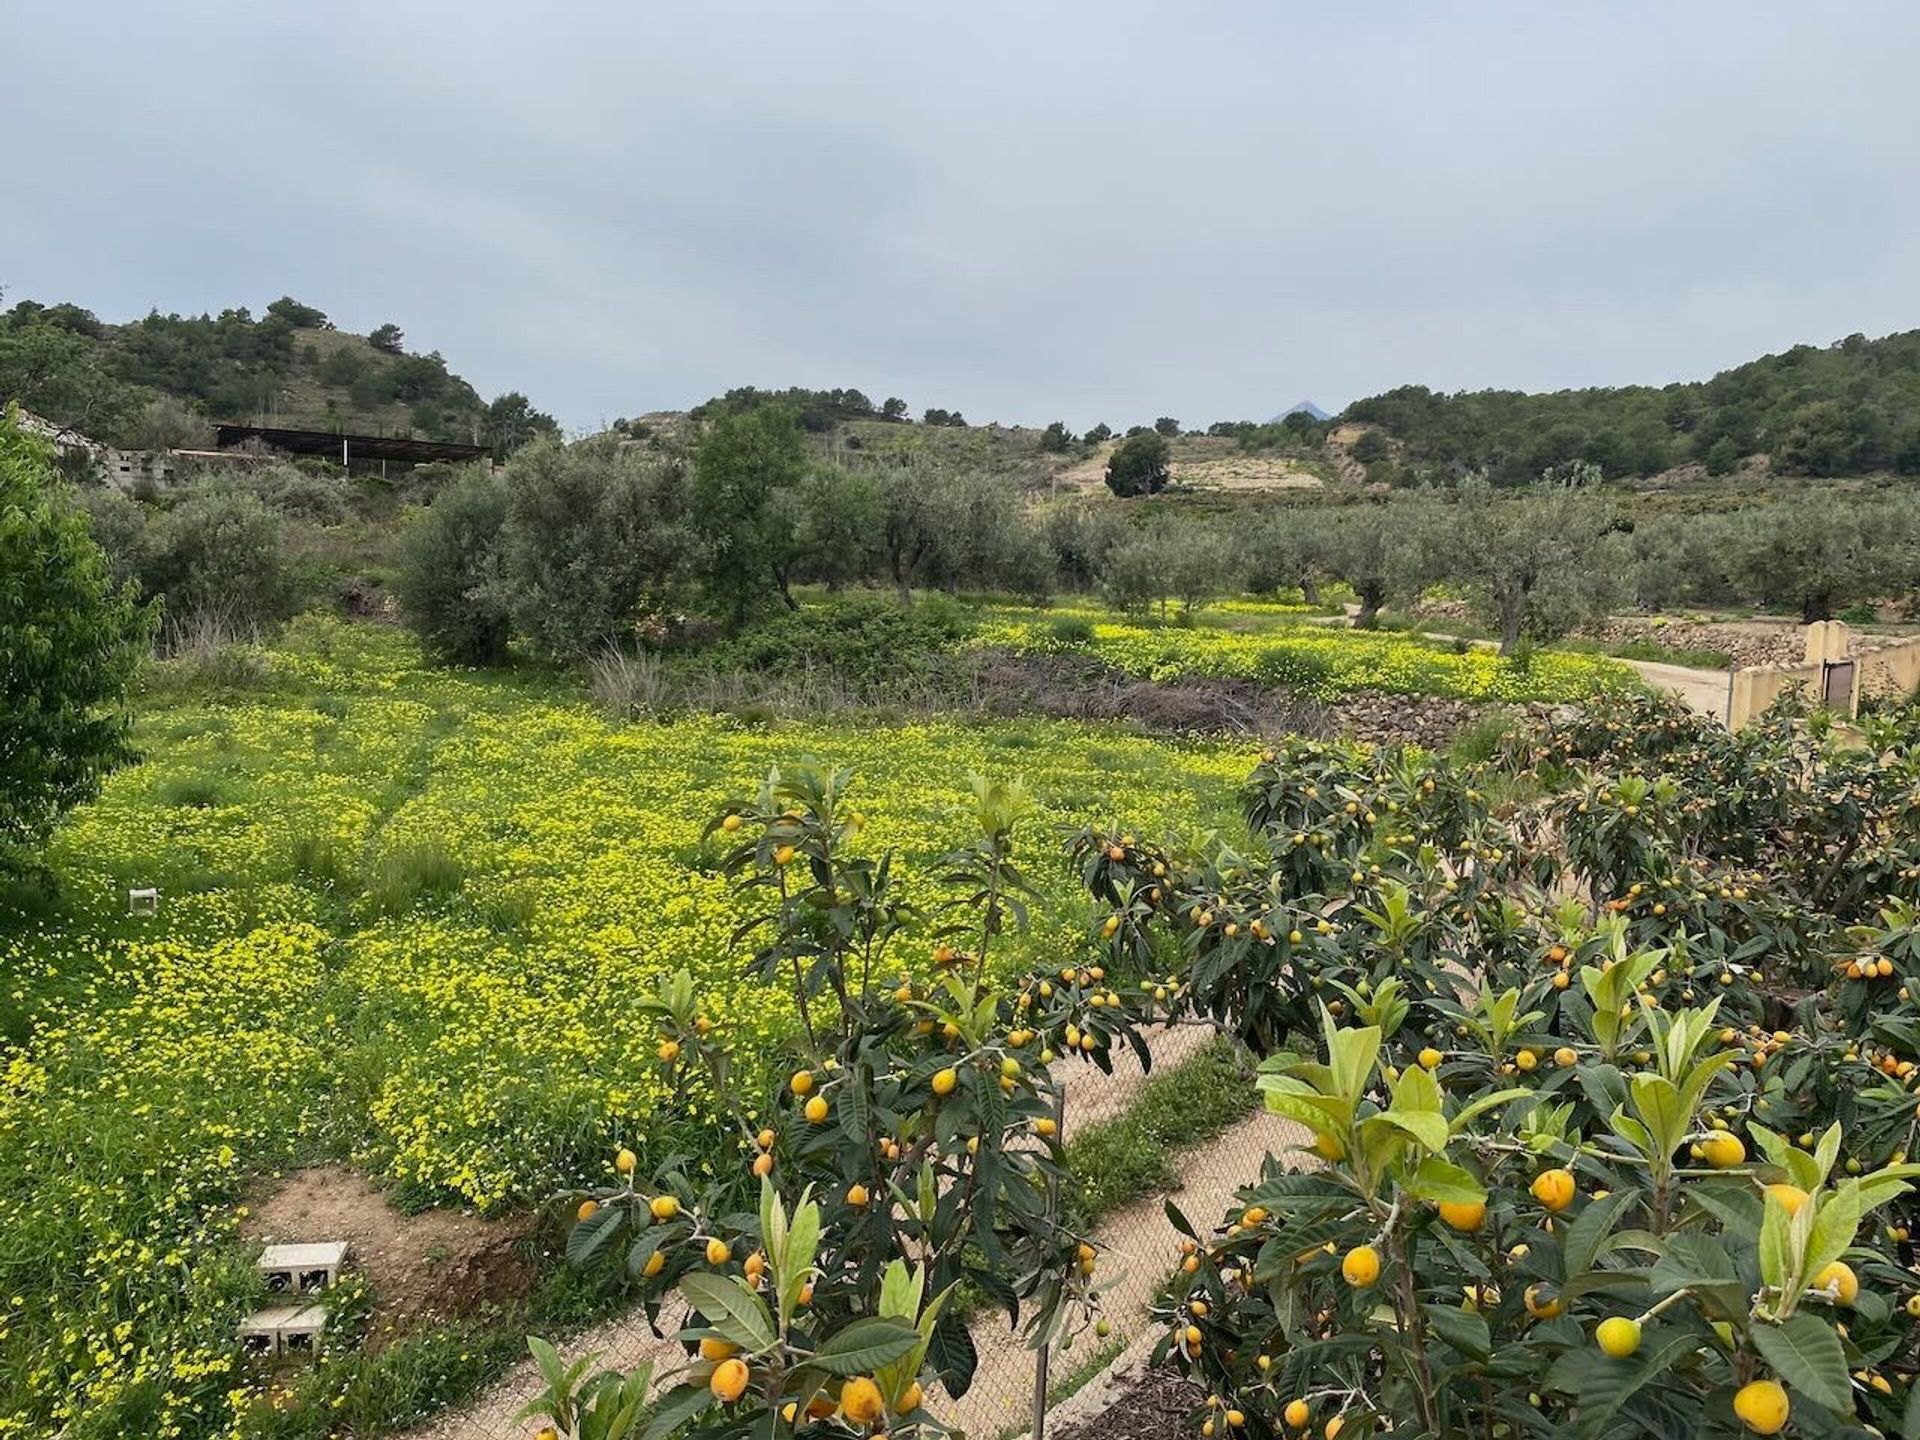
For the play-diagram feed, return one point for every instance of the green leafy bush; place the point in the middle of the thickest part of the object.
(1141, 465)
(449, 583)
(869, 644)
(1071, 631)
(594, 541)
(222, 552)
(70, 643)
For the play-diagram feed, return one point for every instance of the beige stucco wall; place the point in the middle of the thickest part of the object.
(1892, 670)
(1758, 686)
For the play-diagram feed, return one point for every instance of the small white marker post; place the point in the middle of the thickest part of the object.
(143, 902)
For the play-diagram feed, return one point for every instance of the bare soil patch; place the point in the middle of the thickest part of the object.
(1156, 1406)
(1200, 462)
(439, 1264)
(1080, 687)
(1249, 472)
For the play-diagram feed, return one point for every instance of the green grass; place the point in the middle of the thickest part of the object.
(1118, 1160)
(350, 1392)
(1454, 627)
(1479, 741)
(1650, 651)
(1068, 1384)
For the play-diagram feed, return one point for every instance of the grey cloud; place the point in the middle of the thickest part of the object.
(1021, 210)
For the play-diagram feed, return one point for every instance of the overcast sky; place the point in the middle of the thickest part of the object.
(1027, 211)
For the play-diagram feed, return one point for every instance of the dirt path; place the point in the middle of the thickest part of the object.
(1142, 1249)
(1006, 1365)
(1702, 691)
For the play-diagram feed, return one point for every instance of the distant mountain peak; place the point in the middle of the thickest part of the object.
(1299, 407)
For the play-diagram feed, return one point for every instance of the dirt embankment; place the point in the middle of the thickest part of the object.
(1080, 687)
(436, 1265)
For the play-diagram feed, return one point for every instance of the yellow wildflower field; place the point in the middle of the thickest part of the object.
(404, 916)
(1322, 661)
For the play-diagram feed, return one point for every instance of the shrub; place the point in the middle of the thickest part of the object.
(1560, 1152)
(169, 423)
(1071, 631)
(323, 499)
(119, 526)
(70, 642)
(1132, 578)
(449, 585)
(222, 552)
(595, 538)
(867, 644)
(1140, 465)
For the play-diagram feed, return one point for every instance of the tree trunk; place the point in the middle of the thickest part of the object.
(1509, 627)
(1818, 605)
(1372, 596)
(902, 571)
(1310, 588)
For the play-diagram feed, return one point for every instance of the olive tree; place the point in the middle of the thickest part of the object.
(448, 585)
(1175, 561)
(1131, 577)
(1286, 551)
(926, 506)
(1539, 565)
(836, 517)
(1381, 549)
(1080, 536)
(71, 639)
(1816, 553)
(221, 552)
(595, 537)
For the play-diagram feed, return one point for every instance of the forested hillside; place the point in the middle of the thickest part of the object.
(160, 381)
(1850, 408)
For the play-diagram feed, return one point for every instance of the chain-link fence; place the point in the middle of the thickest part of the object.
(1139, 1250)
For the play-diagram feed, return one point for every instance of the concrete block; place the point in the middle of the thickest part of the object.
(302, 1269)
